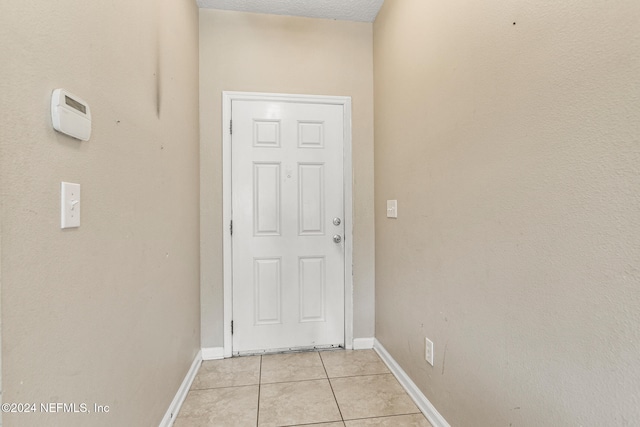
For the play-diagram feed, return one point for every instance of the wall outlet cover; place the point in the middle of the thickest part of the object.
(428, 352)
(392, 209)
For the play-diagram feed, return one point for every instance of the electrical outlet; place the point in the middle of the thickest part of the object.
(392, 209)
(428, 352)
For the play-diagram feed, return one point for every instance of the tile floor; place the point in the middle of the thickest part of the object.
(320, 389)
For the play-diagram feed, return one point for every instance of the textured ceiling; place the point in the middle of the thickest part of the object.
(346, 10)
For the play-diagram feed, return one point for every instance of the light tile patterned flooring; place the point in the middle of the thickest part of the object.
(318, 389)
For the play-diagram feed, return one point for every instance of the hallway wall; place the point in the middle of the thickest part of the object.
(509, 133)
(282, 54)
(107, 313)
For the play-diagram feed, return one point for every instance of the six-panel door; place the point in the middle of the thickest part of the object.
(287, 189)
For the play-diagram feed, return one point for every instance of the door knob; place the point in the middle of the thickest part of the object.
(337, 238)
(337, 221)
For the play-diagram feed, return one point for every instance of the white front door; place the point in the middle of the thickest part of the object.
(288, 222)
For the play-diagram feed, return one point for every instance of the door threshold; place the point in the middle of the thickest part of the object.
(289, 350)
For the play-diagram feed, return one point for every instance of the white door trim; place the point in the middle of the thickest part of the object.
(345, 101)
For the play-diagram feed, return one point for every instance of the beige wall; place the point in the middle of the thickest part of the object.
(107, 313)
(279, 54)
(509, 133)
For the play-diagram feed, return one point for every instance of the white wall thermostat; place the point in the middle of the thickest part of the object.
(70, 115)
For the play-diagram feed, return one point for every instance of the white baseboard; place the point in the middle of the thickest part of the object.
(178, 400)
(212, 353)
(418, 397)
(362, 343)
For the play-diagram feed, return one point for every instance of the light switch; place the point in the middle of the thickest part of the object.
(70, 205)
(392, 209)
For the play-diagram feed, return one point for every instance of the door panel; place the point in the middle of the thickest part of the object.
(311, 199)
(267, 286)
(312, 293)
(287, 187)
(266, 199)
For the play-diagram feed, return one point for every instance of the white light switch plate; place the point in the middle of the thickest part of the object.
(392, 209)
(69, 205)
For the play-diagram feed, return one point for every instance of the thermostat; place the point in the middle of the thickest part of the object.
(70, 114)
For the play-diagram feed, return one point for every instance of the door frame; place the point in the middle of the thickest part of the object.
(345, 102)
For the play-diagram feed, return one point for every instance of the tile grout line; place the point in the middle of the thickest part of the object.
(331, 386)
(361, 375)
(299, 381)
(312, 424)
(386, 416)
(259, 389)
(223, 388)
